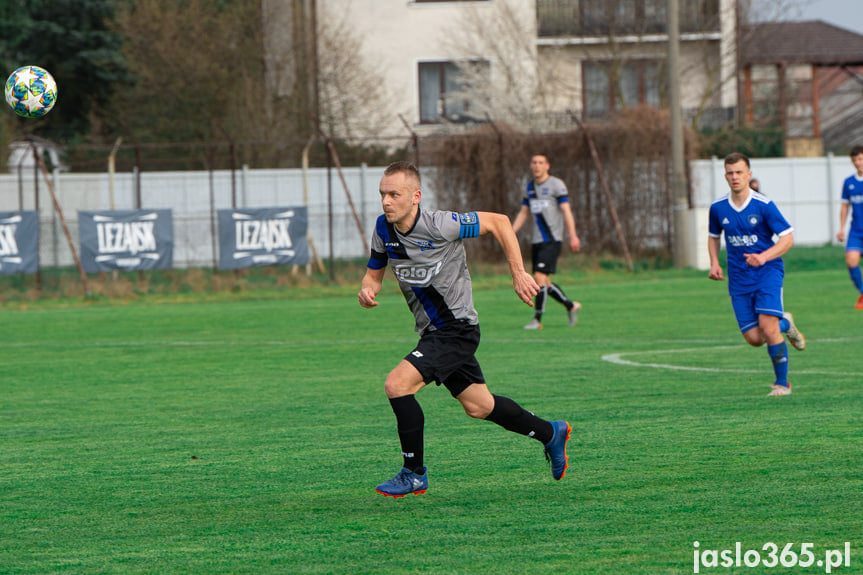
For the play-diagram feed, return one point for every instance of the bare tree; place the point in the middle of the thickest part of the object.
(518, 91)
(198, 69)
(245, 71)
(748, 13)
(771, 10)
(353, 97)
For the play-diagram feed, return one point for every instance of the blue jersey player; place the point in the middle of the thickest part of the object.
(749, 221)
(425, 251)
(852, 201)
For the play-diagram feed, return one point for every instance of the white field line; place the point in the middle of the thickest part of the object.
(618, 359)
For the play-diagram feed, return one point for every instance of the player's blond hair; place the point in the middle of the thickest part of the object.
(404, 167)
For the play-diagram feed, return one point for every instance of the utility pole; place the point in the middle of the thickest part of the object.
(680, 199)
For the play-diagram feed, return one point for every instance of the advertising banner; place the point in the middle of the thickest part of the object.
(19, 243)
(263, 237)
(126, 240)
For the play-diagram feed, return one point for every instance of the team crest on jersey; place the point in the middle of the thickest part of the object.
(467, 218)
(754, 219)
(425, 245)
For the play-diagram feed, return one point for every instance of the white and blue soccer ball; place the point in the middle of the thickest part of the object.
(31, 91)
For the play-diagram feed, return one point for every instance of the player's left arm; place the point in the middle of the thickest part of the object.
(777, 250)
(566, 210)
(778, 225)
(500, 227)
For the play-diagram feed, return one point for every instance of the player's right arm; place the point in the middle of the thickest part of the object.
(843, 215)
(498, 225)
(713, 245)
(370, 287)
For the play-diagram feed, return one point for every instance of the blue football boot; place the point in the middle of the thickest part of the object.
(555, 450)
(405, 481)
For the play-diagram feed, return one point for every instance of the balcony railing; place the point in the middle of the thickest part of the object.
(586, 18)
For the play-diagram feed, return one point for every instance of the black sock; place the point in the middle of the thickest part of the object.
(558, 294)
(512, 417)
(410, 421)
(539, 306)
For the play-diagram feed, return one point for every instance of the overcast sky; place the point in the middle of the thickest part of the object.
(846, 14)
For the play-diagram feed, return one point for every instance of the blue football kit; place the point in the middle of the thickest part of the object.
(750, 229)
(852, 194)
(756, 290)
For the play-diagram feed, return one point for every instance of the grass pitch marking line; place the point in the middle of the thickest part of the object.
(617, 358)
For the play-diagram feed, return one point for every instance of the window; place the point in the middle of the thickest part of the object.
(447, 89)
(609, 88)
(594, 18)
(558, 18)
(652, 74)
(597, 90)
(623, 15)
(699, 15)
(655, 15)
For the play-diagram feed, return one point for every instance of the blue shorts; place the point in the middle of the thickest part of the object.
(855, 242)
(747, 307)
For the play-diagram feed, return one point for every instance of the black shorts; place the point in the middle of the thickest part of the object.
(544, 256)
(446, 356)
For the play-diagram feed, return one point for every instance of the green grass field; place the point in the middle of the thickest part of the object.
(248, 436)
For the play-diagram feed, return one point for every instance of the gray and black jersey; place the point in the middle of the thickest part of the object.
(543, 201)
(430, 265)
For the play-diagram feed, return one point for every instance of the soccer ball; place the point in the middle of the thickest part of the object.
(31, 91)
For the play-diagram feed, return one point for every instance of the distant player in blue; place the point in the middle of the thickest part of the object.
(852, 200)
(749, 221)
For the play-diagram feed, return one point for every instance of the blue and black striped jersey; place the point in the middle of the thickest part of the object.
(430, 265)
(543, 200)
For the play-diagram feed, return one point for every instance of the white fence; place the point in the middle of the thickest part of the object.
(807, 190)
(194, 198)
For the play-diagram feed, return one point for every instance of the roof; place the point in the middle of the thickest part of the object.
(808, 42)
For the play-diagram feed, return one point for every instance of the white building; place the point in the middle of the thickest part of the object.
(534, 63)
